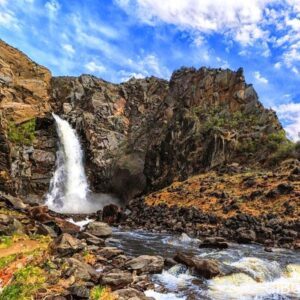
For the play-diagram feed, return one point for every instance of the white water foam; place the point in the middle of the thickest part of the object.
(243, 287)
(160, 296)
(69, 190)
(81, 223)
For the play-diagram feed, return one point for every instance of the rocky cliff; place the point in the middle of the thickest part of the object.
(138, 136)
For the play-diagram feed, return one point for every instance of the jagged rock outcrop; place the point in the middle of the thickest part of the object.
(138, 136)
(25, 141)
(152, 132)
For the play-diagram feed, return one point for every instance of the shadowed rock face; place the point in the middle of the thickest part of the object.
(139, 135)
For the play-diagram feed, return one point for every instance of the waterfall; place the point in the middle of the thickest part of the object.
(68, 187)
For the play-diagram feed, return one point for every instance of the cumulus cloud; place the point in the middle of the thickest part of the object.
(277, 65)
(259, 78)
(95, 67)
(249, 23)
(240, 19)
(290, 114)
(68, 48)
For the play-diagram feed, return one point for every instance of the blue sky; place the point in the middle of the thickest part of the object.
(118, 39)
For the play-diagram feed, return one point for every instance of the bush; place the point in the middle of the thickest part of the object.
(23, 134)
(276, 140)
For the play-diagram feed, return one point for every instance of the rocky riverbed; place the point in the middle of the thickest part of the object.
(46, 255)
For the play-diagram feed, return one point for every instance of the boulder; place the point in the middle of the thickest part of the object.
(80, 270)
(12, 201)
(214, 242)
(65, 244)
(99, 229)
(79, 291)
(245, 235)
(207, 268)
(285, 188)
(16, 227)
(110, 252)
(131, 294)
(146, 264)
(111, 214)
(116, 279)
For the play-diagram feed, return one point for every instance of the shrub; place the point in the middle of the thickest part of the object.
(102, 293)
(22, 134)
(284, 151)
(276, 140)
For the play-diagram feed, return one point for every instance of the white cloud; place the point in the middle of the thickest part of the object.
(9, 20)
(3, 2)
(149, 65)
(290, 113)
(95, 67)
(240, 19)
(295, 70)
(125, 75)
(68, 48)
(52, 6)
(291, 56)
(260, 78)
(277, 65)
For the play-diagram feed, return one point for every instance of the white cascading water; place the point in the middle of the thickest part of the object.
(69, 187)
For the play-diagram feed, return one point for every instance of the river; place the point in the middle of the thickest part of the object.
(262, 276)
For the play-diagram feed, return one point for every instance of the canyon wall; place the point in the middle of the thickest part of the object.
(138, 136)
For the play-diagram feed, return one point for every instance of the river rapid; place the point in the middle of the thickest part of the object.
(261, 275)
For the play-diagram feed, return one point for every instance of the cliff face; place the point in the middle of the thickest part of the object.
(24, 101)
(140, 135)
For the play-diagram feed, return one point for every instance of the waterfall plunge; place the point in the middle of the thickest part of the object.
(69, 189)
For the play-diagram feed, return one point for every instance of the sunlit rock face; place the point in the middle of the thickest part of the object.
(136, 136)
(150, 132)
(26, 148)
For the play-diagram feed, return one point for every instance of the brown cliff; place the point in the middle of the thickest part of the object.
(138, 136)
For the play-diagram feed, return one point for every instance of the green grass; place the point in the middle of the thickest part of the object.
(96, 292)
(5, 241)
(4, 261)
(22, 134)
(25, 283)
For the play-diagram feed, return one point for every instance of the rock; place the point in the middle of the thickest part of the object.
(66, 227)
(285, 188)
(65, 244)
(40, 213)
(80, 270)
(12, 201)
(80, 291)
(43, 157)
(110, 252)
(16, 227)
(116, 279)
(99, 229)
(67, 108)
(92, 239)
(111, 214)
(146, 264)
(206, 268)
(245, 235)
(46, 230)
(131, 294)
(214, 242)
(4, 219)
